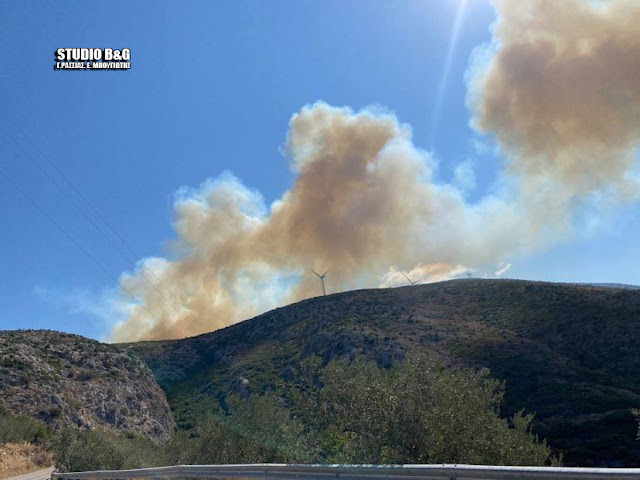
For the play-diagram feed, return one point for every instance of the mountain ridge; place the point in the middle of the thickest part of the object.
(567, 352)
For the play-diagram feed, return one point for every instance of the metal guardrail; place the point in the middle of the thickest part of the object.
(360, 472)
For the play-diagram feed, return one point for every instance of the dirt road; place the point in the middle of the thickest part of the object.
(43, 474)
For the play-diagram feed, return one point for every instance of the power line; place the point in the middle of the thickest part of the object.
(127, 255)
(97, 227)
(71, 238)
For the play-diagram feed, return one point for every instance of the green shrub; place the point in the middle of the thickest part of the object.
(77, 450)
(18, 428)
(213, 442)
(261, 419)
(419, 412)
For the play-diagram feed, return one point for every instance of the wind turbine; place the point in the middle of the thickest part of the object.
(410, 281)
(321, 277)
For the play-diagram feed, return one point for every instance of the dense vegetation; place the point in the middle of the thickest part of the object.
(19, 429)
(416, 412)
(570, 353)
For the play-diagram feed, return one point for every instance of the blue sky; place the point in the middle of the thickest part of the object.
(212, 88)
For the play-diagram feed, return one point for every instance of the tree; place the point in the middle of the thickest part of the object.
(421, 412)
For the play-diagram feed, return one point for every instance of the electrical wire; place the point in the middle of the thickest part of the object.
(128, 253)
(70, 237)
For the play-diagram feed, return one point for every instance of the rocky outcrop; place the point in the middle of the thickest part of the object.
(65, 379)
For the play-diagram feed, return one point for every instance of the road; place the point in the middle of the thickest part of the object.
(43, 474)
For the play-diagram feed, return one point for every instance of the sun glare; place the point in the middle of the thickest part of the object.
(444, 79)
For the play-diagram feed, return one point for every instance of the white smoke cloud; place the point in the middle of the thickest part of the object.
(464, 176)
(432, 272)
(502, 269)
(559, 91)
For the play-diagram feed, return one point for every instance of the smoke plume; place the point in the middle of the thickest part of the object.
(558, 89)
(561, 94)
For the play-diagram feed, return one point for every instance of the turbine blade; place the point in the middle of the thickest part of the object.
(316, 273)
(410, 281)
(326, 272)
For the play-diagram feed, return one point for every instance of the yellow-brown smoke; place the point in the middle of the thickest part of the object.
(559, 89)
(561, 93)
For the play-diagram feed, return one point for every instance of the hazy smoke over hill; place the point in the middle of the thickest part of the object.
(559, 89)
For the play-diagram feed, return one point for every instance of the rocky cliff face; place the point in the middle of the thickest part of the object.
(65, 379)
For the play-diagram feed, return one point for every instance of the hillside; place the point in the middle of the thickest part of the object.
(625, 286)
(570, 353)
(64, 379)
